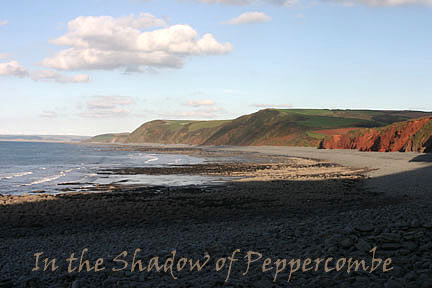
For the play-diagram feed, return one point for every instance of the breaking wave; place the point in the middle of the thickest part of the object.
(10, 176)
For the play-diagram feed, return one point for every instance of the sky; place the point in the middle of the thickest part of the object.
(87, 67)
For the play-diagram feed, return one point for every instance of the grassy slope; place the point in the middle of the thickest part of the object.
(175, 131)
(422, 140)
(109, 138)
(265, 127)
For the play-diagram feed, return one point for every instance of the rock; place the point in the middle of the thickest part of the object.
(362, 279)
(397, 271)
(390, 246)
(332, 249)
(80, 283)
(39, 191)
(410, 245)
(392, 284)
(404, 252)
(411, 276)
(262, 283)
(348, 229)
(426, 283)
(346, 243)
(364, 228)
(418, 266)
(111, 281)
(389, 237)
(362, 246)
(427, 225)
(6, 284)
(426, 247)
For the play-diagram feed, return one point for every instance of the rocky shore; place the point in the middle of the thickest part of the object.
(281, 207)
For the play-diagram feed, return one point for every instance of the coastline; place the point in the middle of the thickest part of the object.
(275, 212)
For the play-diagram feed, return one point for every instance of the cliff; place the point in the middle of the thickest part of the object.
(409, 136)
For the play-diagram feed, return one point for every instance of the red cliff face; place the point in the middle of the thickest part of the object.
(412, 135)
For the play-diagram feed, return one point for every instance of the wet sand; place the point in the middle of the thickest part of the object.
(280, 206)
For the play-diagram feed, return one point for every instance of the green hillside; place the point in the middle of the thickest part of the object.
(299, 127)
(422, 140)
(295, 127)
(110, 138)
(175, 131)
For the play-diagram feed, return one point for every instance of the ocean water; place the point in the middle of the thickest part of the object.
(27, 167)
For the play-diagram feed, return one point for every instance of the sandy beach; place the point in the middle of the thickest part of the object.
(282, 202)
(394, 173)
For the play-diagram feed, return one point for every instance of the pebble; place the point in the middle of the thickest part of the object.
(393, 284)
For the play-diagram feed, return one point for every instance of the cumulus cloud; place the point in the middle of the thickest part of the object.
(106, 43)
(108, 106)
(199, 103)
(250, 17)
(287, 3)
(3, 22)
(49, 75)
(13, 68)
(271, 105)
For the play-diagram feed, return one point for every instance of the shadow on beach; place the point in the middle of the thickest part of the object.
(427, 157)
(320, 218)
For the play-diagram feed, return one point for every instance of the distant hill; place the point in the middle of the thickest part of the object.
(293, 127)
(109, 138)
(406, 136)
(44, 138)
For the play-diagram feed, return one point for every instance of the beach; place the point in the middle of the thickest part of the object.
(281, 202)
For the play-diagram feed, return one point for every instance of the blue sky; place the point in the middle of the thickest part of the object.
(93, 66)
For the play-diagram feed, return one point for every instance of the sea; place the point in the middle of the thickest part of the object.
(35, 167)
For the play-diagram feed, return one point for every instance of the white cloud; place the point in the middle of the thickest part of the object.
(290, 3)
(49, 75)
(250, 17)
(384, 2)
(231, 2)
(395, 2)
(201, 113)
(13, 68)
(199, 103)
(3, 22)
(287, 3)
(108, 106)
(106, 43)
(4, 56)
(108, 102)
(271, 105)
